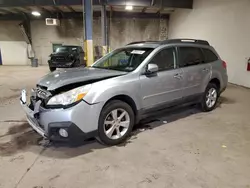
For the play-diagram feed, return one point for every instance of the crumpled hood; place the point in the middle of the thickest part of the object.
(65, 77)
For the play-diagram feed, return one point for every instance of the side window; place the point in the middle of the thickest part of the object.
(209, 56)
(189, 56)
(164, 59)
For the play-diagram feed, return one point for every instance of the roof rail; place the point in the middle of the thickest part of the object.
(189, 41)
(139, 42)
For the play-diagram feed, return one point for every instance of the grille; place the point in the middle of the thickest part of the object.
(41, 94)
(60, 59)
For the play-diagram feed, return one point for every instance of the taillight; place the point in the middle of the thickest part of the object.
(224, 64)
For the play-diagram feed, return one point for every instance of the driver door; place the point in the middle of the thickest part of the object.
(165, 86)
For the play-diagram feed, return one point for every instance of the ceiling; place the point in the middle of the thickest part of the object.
(79, 8)
(73, 8)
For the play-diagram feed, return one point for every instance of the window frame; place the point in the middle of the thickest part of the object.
(179, 59)
(205, 57)
(174, 57)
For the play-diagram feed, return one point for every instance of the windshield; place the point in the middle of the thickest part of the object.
(66, 49)
(126, 59)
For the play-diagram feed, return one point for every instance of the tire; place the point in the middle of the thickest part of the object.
(209, 106)
(77, 64)
(52, 69)
(123, 125)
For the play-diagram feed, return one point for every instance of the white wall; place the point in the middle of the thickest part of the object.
(12, 44)
(14, 53)
(226, 25)
(70, 32)
(122, 31)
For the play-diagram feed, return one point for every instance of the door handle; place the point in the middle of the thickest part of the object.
(178, 76)
(205, 69)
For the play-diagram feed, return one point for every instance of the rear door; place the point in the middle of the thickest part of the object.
(195, 71)
(166, 85)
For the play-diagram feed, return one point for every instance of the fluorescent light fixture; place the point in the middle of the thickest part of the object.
(36, 13)
(129, 7)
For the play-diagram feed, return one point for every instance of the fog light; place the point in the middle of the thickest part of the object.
(63, 133)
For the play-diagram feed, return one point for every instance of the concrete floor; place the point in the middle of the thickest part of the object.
(182, 149)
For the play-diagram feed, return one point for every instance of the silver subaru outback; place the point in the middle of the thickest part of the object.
(107, 99)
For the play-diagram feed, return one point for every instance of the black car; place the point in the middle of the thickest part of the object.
(67, 57)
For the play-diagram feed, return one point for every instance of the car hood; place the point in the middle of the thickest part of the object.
(60, 78)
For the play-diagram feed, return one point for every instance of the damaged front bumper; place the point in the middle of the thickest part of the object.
(48, 122)
(60, 64)
(32, 120)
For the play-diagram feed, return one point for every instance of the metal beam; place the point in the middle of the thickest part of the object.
(104, 30)
(26, 29)
(27, 8)
(45, 10)
(137, 15)
(144, 9)
(60, 13)
(6, 11)
(70, 8)
(174, 3)
(2, 13)
(18, 10)
(58, 9)
(159, 11)
(79, 15)
(88, 18)
(144, 3)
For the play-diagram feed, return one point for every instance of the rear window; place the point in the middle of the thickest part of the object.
(209, 56)
(190, 56)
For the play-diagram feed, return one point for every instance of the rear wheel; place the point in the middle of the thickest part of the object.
(115, 123)
(52, 69)
(210, 98)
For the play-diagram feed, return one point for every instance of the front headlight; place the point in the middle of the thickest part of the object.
(70, 97)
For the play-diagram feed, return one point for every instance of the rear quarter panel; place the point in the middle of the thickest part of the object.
(219, 72)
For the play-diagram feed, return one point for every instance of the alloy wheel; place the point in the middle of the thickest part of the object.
(116, 123)
(211, 97)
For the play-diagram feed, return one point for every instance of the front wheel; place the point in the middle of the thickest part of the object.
(115, 123)
(210, 98)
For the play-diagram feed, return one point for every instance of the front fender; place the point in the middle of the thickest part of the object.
(107, 89)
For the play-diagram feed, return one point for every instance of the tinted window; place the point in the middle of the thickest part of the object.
(189, 56)
(66, 49)
(209, 55)
(164, 59)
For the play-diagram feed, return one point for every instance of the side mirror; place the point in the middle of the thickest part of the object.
(152, 68)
